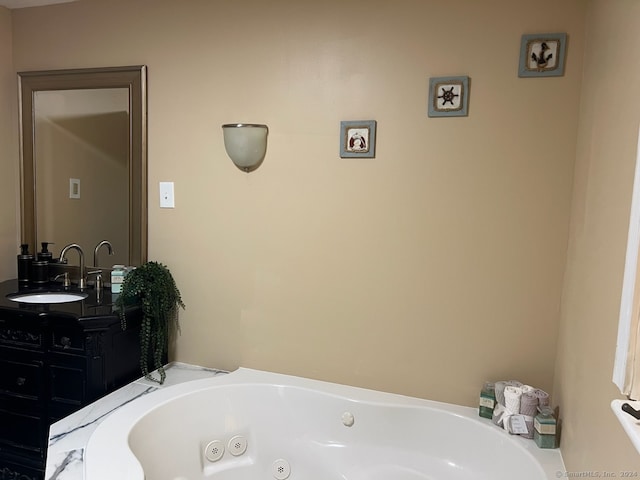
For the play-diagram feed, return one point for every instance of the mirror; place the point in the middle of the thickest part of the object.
(84, 160)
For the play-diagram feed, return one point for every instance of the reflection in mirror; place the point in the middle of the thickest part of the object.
(82, 141)
(84, 160)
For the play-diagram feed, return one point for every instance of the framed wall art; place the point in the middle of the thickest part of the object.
(358, 139)
(448, 96)
(542, 55)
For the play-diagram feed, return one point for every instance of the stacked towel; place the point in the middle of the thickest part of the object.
(514, 398)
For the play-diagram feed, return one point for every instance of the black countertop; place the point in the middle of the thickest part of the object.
(92, 307)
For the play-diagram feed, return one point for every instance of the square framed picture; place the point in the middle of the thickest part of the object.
(448, 96)
(542, 55)
(358, 139)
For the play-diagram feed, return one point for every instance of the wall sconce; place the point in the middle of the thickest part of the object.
(246, 144)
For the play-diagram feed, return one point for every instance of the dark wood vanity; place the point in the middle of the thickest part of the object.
(55, 359)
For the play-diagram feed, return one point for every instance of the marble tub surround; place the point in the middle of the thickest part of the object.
(69, 436)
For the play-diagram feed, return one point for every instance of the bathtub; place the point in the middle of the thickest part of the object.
(251, 424)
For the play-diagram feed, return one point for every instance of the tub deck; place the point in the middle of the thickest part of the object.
(70, 436)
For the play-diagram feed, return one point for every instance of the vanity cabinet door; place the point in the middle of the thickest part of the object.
(68, 381)
(21, 378)
(22, 385)
(22, 427)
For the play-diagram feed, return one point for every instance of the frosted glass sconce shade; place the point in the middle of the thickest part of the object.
(246, 144)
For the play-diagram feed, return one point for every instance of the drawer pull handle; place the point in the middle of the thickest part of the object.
(65, 342)
(20, 381)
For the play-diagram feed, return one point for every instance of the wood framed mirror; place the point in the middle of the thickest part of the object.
(84, 159)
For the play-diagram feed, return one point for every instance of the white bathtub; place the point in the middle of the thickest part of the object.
(265, 426)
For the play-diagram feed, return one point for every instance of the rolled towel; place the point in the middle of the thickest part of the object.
(498, 413)
(512, 396)
(543, 397)
(529, 408)
(527, 388)
(500, 386)
(500, 392)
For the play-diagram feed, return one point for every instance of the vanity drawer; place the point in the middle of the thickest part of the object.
(21, 337)
(21, 378)
(70, 340)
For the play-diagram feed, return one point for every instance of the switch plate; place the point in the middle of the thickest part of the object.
(167, 200)
(74, 188)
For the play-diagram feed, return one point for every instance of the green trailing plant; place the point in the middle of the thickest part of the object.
(152, 286)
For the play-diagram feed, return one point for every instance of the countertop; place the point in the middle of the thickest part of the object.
(93, 306)
(69, 436)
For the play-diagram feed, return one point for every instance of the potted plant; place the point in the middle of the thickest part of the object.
(152, 286)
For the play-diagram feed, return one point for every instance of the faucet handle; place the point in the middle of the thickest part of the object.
(98, 274)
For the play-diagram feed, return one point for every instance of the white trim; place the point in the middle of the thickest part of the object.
(628, 283)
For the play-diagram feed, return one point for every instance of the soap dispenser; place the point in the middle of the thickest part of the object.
(40, 266)
(45, 255)
(25, 259)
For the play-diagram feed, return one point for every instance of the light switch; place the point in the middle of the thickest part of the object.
(167, 199)
(74, 188)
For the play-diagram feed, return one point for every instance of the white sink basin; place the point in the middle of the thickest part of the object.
(47, 297)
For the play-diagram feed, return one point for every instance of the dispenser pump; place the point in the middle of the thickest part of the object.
(45, 254)
(24, 249)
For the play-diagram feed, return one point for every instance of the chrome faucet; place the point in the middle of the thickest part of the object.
(95, 251)
(82, 280)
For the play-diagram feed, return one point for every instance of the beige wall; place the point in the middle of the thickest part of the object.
(9, 189)
(425, 271)
(606, 153)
